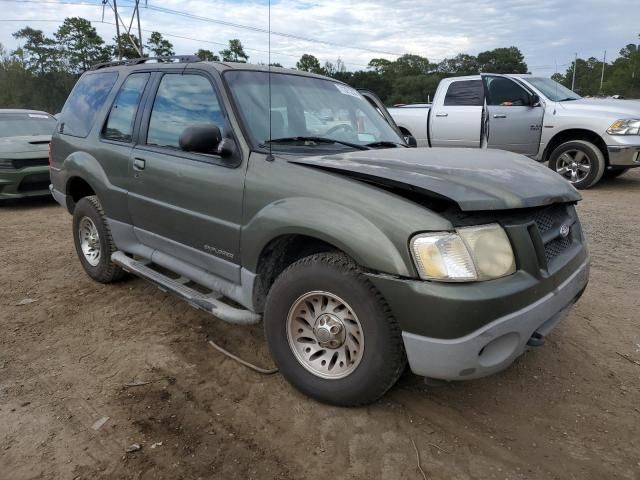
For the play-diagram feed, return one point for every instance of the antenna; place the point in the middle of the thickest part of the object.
(270, 156)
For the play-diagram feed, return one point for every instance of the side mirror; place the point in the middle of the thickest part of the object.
(535, 100)
(203, 138)
(411, 141)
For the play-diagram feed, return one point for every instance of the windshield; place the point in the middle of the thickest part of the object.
(306, 107)
(553, 90)
(26, 124)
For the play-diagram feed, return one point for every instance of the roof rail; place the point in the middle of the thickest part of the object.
(138, 61)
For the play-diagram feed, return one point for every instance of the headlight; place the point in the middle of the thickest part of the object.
(625, 127)
(470, 254)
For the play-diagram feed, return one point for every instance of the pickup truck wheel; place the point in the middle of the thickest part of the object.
(580, 162)
(93, 241)
(331, 333)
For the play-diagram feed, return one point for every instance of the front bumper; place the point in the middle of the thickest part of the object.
(25, 182)
(624, 156)
(496, 345)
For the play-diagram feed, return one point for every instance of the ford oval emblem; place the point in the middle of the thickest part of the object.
(564, 230)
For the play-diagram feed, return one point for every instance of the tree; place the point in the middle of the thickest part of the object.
(235, 52)
(159, 46)
(309, 63)
(127, 42)
(40, 52)
(461, 64)
(80, 44)
(207, 55)
(502, 60)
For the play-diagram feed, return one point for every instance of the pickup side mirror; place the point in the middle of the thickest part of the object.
(411, 141)
(535, 100)
(204, 138)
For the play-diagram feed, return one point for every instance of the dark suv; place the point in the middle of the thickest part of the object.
(286, 196)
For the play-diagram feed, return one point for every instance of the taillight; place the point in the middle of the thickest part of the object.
(50, 155)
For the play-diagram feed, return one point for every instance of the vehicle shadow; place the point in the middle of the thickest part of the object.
(27, 203)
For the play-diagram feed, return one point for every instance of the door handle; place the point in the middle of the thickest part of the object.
(500, 115)
(442, 114)
(138, 163)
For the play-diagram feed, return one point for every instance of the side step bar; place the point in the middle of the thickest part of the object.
(208, 302)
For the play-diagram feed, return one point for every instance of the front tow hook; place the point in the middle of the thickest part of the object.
(536, 340)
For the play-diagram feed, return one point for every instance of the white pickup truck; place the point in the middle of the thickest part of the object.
(582, 139)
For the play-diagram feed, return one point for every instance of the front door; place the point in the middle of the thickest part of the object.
(187, 205)
(514, 123)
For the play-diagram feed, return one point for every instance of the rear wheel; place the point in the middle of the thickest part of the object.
(580, 162)
(331, 333)
(93, 241)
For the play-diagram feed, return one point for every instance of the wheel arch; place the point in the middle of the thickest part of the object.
(576, 134)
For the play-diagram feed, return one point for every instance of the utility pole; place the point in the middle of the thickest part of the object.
(604, 61)
(139, 30)
(575, 64)
(115, 9)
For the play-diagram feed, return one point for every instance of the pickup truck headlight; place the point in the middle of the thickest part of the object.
(625, 127)
(469, 254)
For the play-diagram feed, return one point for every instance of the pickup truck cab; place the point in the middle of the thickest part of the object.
(582, 139)
(307, 210)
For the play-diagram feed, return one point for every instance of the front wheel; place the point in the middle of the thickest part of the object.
(580, 162)
(331, 333)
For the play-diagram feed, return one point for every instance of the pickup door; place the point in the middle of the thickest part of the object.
(514, 117)
(456, 116)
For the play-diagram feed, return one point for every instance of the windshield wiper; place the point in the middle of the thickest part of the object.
(386, 143)
(315, 141)
(568, 99)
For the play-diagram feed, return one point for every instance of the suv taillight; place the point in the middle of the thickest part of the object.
(50, 155)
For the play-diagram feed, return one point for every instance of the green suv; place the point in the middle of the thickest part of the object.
(24, 145)
(288, 197)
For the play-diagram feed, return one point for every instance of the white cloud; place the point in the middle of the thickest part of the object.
(547, 31)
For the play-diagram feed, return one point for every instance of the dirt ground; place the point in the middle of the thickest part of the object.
(569, 410)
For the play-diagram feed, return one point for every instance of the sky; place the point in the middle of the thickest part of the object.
(548, 32)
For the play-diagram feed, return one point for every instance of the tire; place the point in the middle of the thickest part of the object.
(356, 308)
(615, 173)
(93, 241)
(578, 161)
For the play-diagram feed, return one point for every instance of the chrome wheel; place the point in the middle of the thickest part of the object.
(574, 165)
(325, 335)
(89, 241)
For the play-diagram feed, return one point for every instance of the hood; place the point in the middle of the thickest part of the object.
(475, 179)
(32, 143)
(619, 108)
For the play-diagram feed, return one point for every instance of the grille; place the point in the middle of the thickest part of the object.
(547, 218)
(555, 247)
(29, 162)
(32, 183)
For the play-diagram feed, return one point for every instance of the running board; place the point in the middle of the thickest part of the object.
(209, 302)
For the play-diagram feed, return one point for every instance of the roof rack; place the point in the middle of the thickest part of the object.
(138, 61)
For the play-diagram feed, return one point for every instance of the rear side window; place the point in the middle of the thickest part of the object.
(84, 103)
(119, 126)
(182, 101)
(465, 93)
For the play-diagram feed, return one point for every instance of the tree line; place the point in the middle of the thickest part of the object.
(41, 72)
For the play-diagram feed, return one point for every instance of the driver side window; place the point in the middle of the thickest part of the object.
(505, 92)
(182, 101)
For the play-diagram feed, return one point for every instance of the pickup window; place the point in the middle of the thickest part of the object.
(465, 93)
(506, 93)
